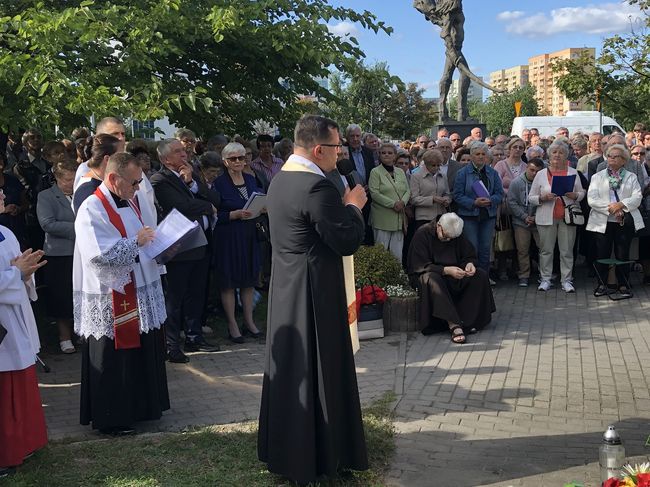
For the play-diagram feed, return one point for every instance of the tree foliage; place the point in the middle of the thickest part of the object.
(498, 112)
(379, 102)
(206, 64)
(620, 79)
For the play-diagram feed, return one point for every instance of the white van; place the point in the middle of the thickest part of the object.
(585, 122)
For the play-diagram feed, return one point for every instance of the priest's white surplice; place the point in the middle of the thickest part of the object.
(21, 344)
(104, 261)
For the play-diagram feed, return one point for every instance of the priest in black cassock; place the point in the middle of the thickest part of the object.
(455, 296)
(310, 416)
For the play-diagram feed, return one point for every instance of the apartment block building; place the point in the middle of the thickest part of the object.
(510, 78)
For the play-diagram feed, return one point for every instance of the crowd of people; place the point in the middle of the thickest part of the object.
(87, 205)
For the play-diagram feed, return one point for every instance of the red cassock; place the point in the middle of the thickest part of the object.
(22, 423)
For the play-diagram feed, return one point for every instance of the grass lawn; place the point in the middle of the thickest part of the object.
(217, 455)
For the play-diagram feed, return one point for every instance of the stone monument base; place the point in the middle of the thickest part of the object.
(463, 128)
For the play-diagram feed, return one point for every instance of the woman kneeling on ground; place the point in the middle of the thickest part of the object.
(454, 294)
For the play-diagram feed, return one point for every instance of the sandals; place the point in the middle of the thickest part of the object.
(457, 334)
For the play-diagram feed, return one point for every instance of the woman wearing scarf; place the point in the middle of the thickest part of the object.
(614, 196)
(390, 193)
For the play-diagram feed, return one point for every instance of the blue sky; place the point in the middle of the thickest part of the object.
(498, 34)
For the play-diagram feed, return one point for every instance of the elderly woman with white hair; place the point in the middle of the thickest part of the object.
(614, 196)
(455, 295)
(549, 217)
(237, 254)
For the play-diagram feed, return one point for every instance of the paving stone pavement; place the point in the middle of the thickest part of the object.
(523, 403)
(213, 388)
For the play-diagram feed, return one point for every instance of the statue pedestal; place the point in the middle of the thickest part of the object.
(463, 128)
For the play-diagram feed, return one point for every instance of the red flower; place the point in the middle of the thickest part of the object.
(643, 480)
(612, 482)
(370, 295)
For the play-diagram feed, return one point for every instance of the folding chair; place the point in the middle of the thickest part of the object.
(612, 263)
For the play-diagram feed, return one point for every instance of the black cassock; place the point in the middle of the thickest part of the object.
(310, 417)
(468, 301)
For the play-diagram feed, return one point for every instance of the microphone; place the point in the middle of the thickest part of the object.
(345, 167)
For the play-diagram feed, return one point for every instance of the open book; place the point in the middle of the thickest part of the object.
(175, 234)
(255, 204)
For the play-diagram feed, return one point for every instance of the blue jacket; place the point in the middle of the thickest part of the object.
(464, 195)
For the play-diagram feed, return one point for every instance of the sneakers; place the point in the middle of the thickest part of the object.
(567, 287)
(523, 282)
(545, 285)
(624, 292)
(67, 346)
(492, 282)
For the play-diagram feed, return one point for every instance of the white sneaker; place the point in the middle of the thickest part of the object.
(545, 285)
(67, 346)
(567, 287)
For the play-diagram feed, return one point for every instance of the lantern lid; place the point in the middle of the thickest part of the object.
(611, 436)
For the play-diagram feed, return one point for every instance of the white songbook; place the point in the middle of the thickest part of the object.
(255, 204)
(175, 234)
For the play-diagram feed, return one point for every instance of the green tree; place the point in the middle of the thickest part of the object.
(206, 64)
(498, 111)
(362, 95)
(620, 78)
(408, 114)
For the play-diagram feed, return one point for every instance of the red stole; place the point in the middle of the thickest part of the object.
(126, 323)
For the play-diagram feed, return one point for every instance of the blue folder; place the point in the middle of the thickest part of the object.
(562, 185)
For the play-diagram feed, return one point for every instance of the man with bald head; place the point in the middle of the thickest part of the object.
(477, 133)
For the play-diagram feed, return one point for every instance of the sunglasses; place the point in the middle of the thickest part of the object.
(236, 158)
(134, 183)
(638, 153)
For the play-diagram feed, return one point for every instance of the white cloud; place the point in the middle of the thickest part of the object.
(510, 15)
(343, 29)
(604, 18)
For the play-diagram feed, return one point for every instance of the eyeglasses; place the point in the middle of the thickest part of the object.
(236, 158)
(338, 146)
(638, 153)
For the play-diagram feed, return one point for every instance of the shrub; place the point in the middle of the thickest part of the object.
(378, 266)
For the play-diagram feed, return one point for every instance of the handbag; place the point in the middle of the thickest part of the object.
(573, 215)
(504, 238)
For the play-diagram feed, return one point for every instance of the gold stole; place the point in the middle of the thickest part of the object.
(348, 270)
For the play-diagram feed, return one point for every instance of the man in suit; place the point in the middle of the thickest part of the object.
(364, 162)
(187, 273)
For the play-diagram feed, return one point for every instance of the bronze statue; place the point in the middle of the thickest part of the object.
(448, 15)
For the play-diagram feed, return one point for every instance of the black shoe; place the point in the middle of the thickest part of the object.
(6, 471)
(646, 281)
(247, 332)
(200, 346)
(239, 339)
(177, 357)
(625, 292)
(601, 291)
(118, 431)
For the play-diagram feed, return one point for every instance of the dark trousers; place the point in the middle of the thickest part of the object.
(185, 300)
(621, 238)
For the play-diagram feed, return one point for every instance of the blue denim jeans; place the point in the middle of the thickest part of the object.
(480, 234)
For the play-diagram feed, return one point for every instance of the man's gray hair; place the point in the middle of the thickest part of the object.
(164, 148)
(101, 125)
(452, 225)
(183, 132)
(119, 161)
(351, 127)
(579, 141)
(478, 145)
(620, 147)
(232, 148)
(559, 145)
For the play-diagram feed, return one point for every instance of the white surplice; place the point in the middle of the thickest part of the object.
(20, 346)
(103, 262)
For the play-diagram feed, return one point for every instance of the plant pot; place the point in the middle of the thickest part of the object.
(401, 314)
